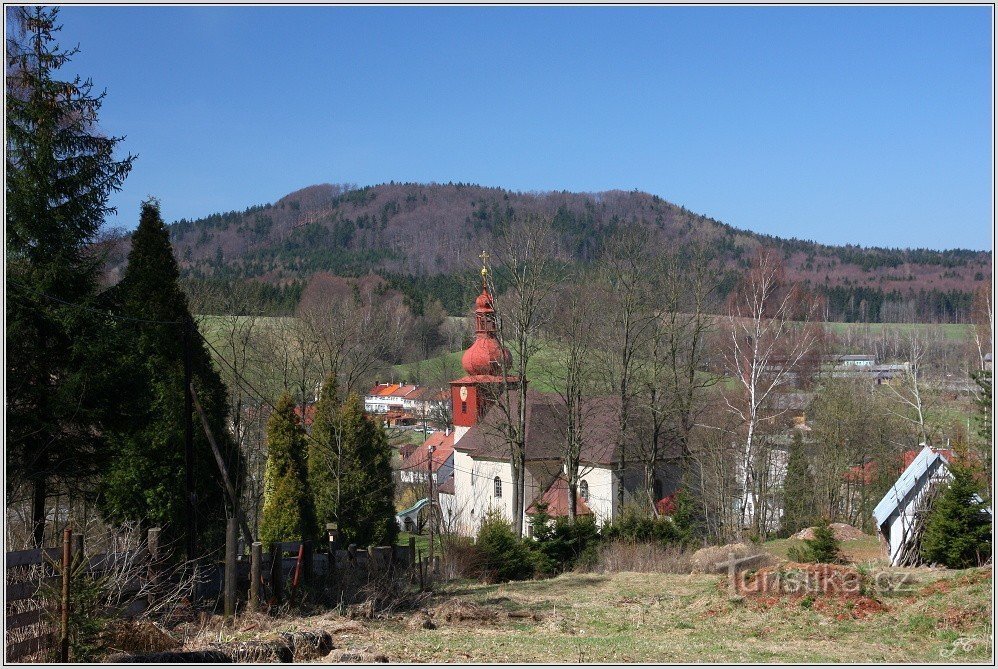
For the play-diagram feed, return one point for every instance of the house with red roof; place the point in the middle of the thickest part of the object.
(406, 404)
(434, 458)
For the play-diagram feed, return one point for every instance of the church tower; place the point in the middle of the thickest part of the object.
(484, 362)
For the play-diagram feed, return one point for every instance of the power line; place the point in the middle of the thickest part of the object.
(108, 313)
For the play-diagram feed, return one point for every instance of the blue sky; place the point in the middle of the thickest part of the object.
(843, 125)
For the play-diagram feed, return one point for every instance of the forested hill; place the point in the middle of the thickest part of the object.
(424, 237)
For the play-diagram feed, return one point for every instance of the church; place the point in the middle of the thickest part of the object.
(484, 402)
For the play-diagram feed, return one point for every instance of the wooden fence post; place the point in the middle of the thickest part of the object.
(277, 571)
(412, 551)
(419, 565)
(231, 539)
(256, 558)
(152, 567)
(67, 564)
(372, 559)
(308, 563)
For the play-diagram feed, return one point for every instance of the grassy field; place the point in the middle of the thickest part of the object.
(629, 617)
(951, 331)
(866, 550)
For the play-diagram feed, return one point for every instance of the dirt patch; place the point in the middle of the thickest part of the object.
(961, 618)
(845, 608)
(842, 532)
(802, 578)
(945, 585)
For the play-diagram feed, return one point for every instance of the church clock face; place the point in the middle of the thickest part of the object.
(464, 393)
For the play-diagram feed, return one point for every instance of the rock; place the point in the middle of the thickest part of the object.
(842, 532)
(713, 559)
(350, 655)
(307, 645)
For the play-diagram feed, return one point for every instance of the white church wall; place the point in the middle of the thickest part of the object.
(602, 492)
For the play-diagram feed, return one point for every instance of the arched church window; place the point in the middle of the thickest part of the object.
(497, 485)
(584, 491)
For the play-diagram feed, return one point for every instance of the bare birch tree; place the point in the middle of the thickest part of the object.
(909, 389)
(770, 333)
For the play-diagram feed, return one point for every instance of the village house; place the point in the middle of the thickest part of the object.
(434, 457)
(406, 404)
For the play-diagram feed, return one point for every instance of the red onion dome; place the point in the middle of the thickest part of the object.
(485, 357)
(484, 301)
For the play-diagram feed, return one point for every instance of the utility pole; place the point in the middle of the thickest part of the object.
(429, 479)
(188, 440)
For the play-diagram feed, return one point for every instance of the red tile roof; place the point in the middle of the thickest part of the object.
(545, 431)
(867, 472)
(447, 487)
(556, 498)
(443, 448)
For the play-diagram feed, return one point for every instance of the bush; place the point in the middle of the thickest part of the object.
(958, 530)
(563, 545)
(823, 548)
(503, 557)
(635, 525)
(460, 558)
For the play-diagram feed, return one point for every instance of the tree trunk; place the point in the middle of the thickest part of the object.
(38, 516)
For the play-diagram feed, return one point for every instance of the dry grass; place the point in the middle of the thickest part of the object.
(651, 617)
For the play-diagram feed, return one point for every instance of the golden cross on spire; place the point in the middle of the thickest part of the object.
(485, 260)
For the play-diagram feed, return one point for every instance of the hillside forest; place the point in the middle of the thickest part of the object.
(424, 240)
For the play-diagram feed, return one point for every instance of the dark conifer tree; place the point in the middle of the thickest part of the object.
(366, 512)
(324, 454)
(798, 490)
(60, 173)
(145, 481)
(288, 510)
(958, 530)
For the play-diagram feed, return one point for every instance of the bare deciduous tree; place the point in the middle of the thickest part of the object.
(624, 276)
(524, 259)
(770, 332)
(572, 371)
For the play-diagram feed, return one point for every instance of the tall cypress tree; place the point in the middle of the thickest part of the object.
(366, 512)
(60, 173)
(145, 480)
(324, 453)
(288, 511)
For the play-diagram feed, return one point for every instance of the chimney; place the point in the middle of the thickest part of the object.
(447, 431)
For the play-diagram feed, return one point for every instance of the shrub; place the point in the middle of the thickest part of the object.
(503, 557)
(636, 525)
(824, 547)
(563, 545)
(958, 530)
